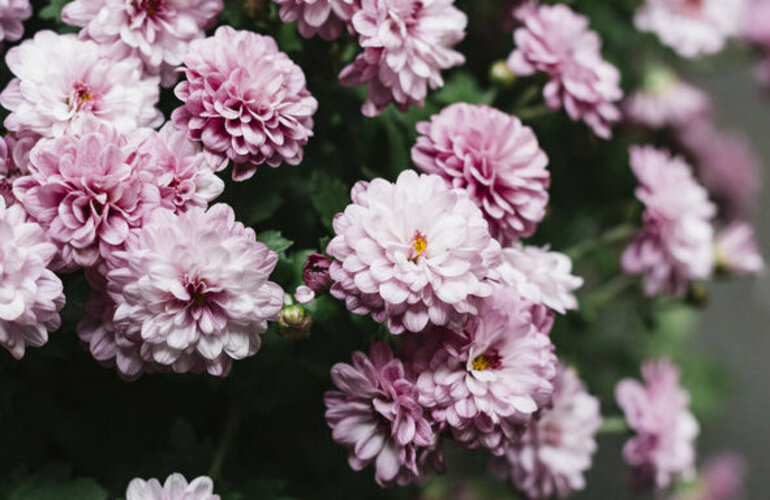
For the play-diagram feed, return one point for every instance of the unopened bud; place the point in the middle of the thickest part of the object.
(315, 273)
(294, 322)
(501, 75)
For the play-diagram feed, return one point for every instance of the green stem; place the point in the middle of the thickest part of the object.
(608, 290)
(533, 112)
(609, 237)
(231, 425)
(613, 425)
(526, 97)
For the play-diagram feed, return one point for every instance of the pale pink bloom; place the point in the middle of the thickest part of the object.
(14, 161)
(156, 31)
(557, 41)
(86, 189)
(175, 487)
(412, 253)
(193, 289)
(720, 478)
(12, 13)
(737, 250)
(246, 100)
(663, 448)
(406, 43)
(756, 29)
(376, 416)
(325, 18)
(59, 78)
(541, 276)
(31, 295)
(495, 158)
(557, 447)
(487, 380)
(676, 244)
(691, 27)
(666, 101)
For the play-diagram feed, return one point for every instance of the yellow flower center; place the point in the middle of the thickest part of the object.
(419, 245)
(481, 363)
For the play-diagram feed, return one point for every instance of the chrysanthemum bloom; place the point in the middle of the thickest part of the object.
(737, 251)
(14, 161)
(487, 380)
(86, 189)
(376, 416)
(315, 274)
(325, 18)
(406, 45)
(156, 31)
(666, 101)
(557, 41)
(414, 253)
(556, 449)
(31, 295)
(720, 478)
(182, 172)
(12, 13)
(175, 487)
(245, 99)
(495, 158)
(59, 78)
(663, 449)
(193, 288)
(691, 27)
(676, 244)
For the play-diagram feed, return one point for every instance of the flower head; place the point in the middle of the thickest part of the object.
(245, 99)
(326, 18)
(193, 289)
(737, 250)
(557, 41)
(676, 244)
(59, 78)
(175, 487)
(666, 101)
(413, 253)
(14, 161)
(495, 158)
(31, 295)
(556, 449)
(488, 380)
(719, 478)
(12, 13)
(375, 414)
(406, 44)
(156, 31)
(664, 446)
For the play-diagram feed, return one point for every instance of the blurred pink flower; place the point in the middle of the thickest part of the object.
(86, 189)
(59, 78)
(412, 253)
(31, 295)
(756, 30)
(487, 380)
(193, 289)
(175, 487)
(557, 41)
(406, 44)
(376, 416)
(720, 478)
(737, 250)
(676, 244)
(496, 159)
(326, 18)
(663, 449)
(14, 161)
(666, 101)
(156, 31)
(12, 13)
(245, 99)
(691, 27)
(557, 447)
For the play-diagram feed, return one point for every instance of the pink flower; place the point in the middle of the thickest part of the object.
(376, 416)
(557, 447)
(414, 253)
(557, 41)
(12, 13)
(31, 295)
(315, 274)
(691, 27)
(326, 18)
(487, 380)
(156, 31)
(495, 158)
(721, 478)
(193, 289)
(86, 189)
(175, 488)
(406, 44)
(756, 30)
(666, 101)
(664, 446)
(676, 244)
(737, 250)
(59, 77)
(14, 161)
(245, 99)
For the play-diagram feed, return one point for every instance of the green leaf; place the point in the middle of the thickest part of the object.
(275, 241)
(52, 483)
(462, 87)
(331, 196)
(53, 9)
(263, 208)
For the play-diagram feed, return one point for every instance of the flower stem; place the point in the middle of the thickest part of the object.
(609, 237)
(613, 425)
(533, 112)
(608, 290)
(231, 425)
